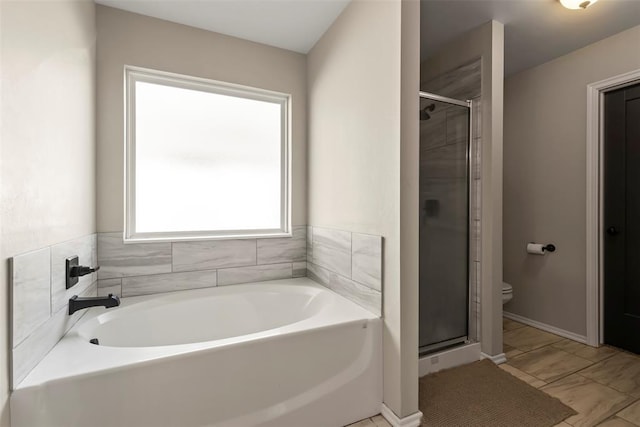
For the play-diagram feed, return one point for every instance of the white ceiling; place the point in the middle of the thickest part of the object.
(289, 24)
(536, 31)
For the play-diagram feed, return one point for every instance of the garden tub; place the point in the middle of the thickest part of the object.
(277, 353)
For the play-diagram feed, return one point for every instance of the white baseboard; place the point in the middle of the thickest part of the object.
(413, 420)
(545, 327)
(449, 359)
(497, 359)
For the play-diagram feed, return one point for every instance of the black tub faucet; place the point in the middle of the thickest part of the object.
(79, 303)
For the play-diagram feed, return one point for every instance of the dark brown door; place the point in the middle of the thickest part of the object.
(622, 218)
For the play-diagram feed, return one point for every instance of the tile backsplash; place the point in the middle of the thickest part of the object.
(347, 263)
(366, 260)
(169, 282)
(147, 268)
(212, 255)
(332, 250)
(118, 260)
(31, 292)
(40, 298)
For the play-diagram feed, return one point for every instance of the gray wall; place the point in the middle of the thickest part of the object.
(126, 38)
(545, 178)
(358, 96)
(47, 143)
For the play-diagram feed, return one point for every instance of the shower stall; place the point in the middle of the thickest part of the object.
(445, 147)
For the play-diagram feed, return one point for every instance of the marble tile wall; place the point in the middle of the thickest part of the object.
(347, 263)
(39, 300)
(463, 83)
(147, 268)
(168, 282)
(31, 301)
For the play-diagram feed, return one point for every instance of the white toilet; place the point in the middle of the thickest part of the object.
(507, 293)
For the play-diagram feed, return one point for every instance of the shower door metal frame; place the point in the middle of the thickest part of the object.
(432, 348)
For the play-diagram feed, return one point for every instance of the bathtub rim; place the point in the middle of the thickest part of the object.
(131, 306)
(55, 366)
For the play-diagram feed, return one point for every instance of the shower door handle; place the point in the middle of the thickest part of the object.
(612, 231)
(431, 207)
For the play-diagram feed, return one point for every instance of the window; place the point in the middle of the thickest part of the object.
(204, 159)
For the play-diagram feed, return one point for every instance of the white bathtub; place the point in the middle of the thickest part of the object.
(280, 353)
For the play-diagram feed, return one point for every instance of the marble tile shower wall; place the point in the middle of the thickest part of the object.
(148, 268)
(39, 300)
(347, 263)
(465, 82)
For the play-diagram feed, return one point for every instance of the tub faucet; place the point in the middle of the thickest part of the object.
(78, 303)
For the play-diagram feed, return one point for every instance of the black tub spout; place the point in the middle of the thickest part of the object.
(79, 303)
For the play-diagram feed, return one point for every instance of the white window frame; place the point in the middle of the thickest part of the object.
(137, 74)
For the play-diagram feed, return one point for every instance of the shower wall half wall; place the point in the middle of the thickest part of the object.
(442, 135)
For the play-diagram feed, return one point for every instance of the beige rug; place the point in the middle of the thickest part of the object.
(481, 394)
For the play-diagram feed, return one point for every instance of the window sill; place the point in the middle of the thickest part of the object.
(173, 238)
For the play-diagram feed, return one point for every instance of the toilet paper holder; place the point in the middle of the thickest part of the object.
(540, 249)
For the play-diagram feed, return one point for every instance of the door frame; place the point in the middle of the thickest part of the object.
(595, 178)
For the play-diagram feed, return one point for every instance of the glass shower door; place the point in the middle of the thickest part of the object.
(444, 223)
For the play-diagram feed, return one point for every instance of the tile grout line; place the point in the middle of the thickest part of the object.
(612, 417)
(633, 400)
(615, 414)
(559, 349)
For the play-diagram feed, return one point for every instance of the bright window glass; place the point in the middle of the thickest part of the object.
(205, 160)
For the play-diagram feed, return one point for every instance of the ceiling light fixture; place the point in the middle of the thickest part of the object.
(577, 4)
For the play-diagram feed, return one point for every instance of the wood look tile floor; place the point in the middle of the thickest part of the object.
(601, 384)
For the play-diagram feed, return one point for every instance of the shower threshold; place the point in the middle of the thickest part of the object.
(442, 345)
(458, 355)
